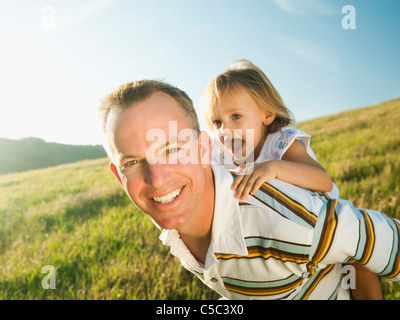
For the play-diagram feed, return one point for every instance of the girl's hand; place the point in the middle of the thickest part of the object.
(250, 177)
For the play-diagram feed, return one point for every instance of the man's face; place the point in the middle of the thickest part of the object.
(147, 161)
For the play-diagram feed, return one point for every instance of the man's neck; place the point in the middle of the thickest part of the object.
(198, 247)
(197, 239)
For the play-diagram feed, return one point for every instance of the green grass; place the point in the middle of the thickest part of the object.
(77, 218)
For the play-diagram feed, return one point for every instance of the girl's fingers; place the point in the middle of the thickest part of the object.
(252, 184)
(241, 186)
(257, 185)
(237, 182)
(246, 190)
(245, 186)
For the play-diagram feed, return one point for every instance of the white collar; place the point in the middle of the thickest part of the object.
(226, 234)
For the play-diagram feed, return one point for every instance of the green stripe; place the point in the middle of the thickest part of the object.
(260, 284)
(263, 288)
(277, 244)
(363, 235)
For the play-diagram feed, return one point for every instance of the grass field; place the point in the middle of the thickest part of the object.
(76, 217)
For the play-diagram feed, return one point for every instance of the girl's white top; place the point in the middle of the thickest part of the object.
(275, 146)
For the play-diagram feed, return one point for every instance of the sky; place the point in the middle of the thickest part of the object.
(59, 59)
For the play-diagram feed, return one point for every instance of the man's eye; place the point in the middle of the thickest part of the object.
(130, 163)
(236, 116)
(172, 150)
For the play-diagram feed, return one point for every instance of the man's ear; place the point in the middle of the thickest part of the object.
(115, 172)
(269, 118)
(205, 148)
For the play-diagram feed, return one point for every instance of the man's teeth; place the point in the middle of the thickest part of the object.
(169, 197)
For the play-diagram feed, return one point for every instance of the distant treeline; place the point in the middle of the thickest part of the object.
(34, 153)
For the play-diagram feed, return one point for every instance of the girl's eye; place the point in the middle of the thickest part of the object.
(217, 123)
(236, 116)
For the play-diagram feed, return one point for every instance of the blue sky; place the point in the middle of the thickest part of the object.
(58, 59)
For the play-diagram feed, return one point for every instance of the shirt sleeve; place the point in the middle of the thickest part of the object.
(278, 143)
(344, 234)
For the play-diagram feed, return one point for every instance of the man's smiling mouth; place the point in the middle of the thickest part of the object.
(169, 197)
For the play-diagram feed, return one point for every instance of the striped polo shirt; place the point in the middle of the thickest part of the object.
(288, 243)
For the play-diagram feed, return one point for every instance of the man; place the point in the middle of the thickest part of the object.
(283, 243)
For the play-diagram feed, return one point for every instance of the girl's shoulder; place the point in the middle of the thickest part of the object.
(287, 135)
(277, 143)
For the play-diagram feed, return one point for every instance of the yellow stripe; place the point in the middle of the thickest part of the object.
(316, 281)
(370, 242)
(324, 194)
(263, 291)
(289, 203)
(266, 253)
(326, 237)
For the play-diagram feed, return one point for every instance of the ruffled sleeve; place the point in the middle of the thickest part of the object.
(278, 143)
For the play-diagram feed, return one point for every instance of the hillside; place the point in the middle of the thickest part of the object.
(361, 150)
(33, 153)
(76, 217)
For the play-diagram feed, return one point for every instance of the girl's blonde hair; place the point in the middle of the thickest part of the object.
(247, 75)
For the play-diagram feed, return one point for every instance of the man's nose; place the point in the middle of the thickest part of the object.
(157, 175)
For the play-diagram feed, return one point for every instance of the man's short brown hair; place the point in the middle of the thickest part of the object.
(128, 94)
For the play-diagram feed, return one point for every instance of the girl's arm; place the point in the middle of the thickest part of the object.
(296, 167)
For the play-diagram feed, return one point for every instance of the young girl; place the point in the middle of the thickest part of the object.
(251, 122)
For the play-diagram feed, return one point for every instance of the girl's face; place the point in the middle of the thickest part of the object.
(240, 124)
